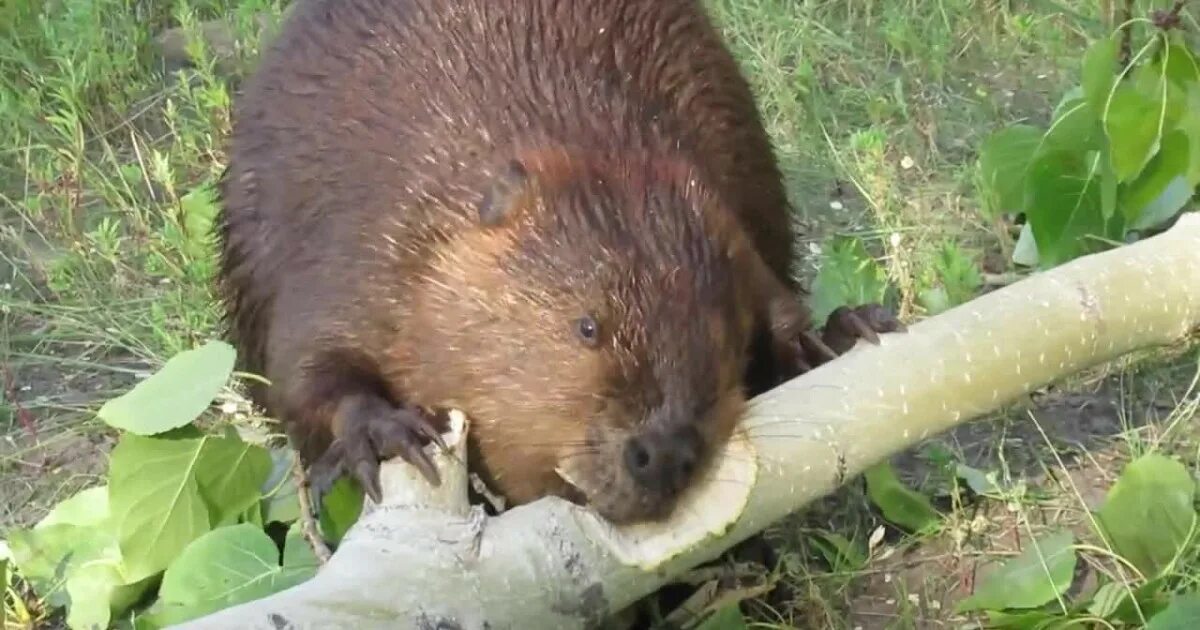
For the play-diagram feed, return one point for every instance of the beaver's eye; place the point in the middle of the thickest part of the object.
(587, 329)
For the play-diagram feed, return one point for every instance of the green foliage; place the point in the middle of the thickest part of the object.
(1156, 494)
(1148, 520)
(1121, 155)
(184, 512)
(899, 504)
(953, 279)
(848, 276)
(175, 395)
(1041, 573)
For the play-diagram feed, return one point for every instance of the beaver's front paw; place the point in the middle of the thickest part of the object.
(845, 326)
(368, 430)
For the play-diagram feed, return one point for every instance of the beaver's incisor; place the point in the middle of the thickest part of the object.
(563, 218)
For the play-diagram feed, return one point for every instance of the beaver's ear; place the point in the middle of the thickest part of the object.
(508, 190)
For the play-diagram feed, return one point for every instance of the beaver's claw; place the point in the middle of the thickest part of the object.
(844, 327)
(367, 432)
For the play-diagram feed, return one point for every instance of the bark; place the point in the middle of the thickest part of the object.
(425, 559)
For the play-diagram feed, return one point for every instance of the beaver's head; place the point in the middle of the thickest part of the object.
(595, 321)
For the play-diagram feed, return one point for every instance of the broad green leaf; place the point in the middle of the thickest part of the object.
(1040, 573)
(1153, 494)
(230, 474)
(340, 508)
(848, 276)
(1190, 126)
(1063, 205)
(78, 566)
(1075, 127)
(1099, 71)
(728, 617)
(1004, 159)
(1162, 189)
(899, 504)
(98, 590)
(1146, 600)
(226, 567)
(1108, 185)
(154, 494)
(1181, 66)
(281, 504)
(1132, 123)
(88, 507)
(1183, 613)
(42, 556)
(175, 395)
(297, 553)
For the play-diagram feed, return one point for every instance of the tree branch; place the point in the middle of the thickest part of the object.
(425, 557)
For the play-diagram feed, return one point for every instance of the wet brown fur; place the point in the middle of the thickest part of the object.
(424, 195)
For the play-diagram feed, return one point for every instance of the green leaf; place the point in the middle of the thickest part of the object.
(298, 555)
(1063, 205)
(86, 508)
(728, 617)
(840, 554)
(1180, 66)
(1108, 185)
(78, 566)
(899, 504)
(1132, 124)
(1004, 159)
(43, 555)
(155, 496)
(1041, 572)
(979, 481)
(281, 504)
(175, 395)
(1149, 514)
(1190, 126)
(230, 474)
(1162, 189)
(340, 508)
(1099, 71)
(93, 586)
(848, 276)
(226, 567)
(1075, 128)
(1183, 613)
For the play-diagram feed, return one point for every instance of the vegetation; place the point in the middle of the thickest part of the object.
(933, 149)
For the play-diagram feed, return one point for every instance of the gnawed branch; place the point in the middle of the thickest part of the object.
(425, 557)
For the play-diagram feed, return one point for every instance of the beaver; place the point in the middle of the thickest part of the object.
(563, 218)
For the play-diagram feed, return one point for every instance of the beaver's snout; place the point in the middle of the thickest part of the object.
(662, 461)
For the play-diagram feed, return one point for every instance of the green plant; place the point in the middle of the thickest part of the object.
(1147, 524)
(191, 519)
(1120, 156)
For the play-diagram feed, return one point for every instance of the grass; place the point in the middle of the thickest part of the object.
(876, 108)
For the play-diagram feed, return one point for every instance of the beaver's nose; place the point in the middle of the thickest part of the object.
(663, 462)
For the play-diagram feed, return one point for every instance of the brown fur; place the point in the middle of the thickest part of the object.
(424, 197)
